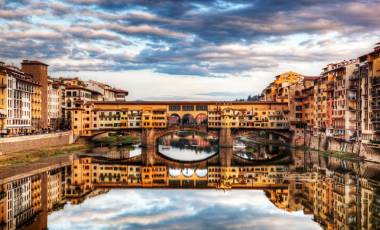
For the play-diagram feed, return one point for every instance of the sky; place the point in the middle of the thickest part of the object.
(179, 209)
(186, 49)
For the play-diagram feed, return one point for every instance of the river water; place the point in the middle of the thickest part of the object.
(194, 184)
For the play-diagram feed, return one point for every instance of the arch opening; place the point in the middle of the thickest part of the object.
(188, 119)
(201, 119)
(174, 119)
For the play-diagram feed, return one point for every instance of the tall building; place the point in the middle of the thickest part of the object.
(39, 72)
(3, 101)
(16, 100)
(369, 78)
(341, 99)
(19, 202)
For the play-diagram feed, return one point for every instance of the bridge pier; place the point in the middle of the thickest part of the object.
(226, 139)
(225, 156)
(148, 156)
(148, 138)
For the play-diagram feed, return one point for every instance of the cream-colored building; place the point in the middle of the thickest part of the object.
(55, 96)
(17, 100)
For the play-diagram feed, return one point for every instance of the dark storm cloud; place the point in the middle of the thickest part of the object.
(183, 37)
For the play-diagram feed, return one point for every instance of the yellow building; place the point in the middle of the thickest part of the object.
(36, 107)
(154, 176)
(98, 116)
(3, 206)
(369, 75)
(36, 193)
(3, 102)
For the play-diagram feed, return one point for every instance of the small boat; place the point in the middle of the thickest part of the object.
(165, 147)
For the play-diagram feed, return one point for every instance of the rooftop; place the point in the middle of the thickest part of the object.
(189, 102)
(33, 62)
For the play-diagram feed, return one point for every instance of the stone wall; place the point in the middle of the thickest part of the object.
(323, 143)
(25, 143)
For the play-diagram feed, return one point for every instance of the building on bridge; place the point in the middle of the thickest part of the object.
(94, 117)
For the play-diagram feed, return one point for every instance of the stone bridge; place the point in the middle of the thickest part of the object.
(226, 136)
(149, 136)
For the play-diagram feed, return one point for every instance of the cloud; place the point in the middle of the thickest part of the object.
(189, 209)
(186, 38)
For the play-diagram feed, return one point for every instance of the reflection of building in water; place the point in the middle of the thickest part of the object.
(248, 176)
(345, 207)
(339, 195)
(323, 198)
(30, 196)
(189, 139)
(19, 200)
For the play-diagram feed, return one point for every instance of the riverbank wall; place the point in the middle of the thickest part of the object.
(321, 142)
(32, 142)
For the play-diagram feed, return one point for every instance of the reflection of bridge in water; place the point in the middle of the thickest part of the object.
(224, 157)
(338, 193)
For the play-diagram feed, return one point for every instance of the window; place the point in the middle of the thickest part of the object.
(201, 108)
(188, 107)
(174, 107)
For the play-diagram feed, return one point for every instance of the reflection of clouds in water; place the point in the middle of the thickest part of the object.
(184, 154)
(178, 209)
(136, 151)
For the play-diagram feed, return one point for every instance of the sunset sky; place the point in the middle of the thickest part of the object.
(190, 49)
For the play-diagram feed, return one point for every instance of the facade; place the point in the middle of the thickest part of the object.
(19, 202)
(55, 96)
(17, 100)
(92, 117)
(369, 75)
(342, 103)
(341, 99)
(3, 102)
(39, 73)
(108, 93)
(27, 198)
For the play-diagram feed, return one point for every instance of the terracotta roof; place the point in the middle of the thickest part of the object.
(311, 78)
(32, 62)
(81, 87)
(120, 91)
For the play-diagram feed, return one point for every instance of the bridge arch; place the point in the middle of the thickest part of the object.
(201, 172)
(188, 172)
(201, 119)
(174, 119)
(174, 172)
(188, 119)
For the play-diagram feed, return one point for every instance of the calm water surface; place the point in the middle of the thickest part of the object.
(188, 146)
(179, 209)
(253, 185)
